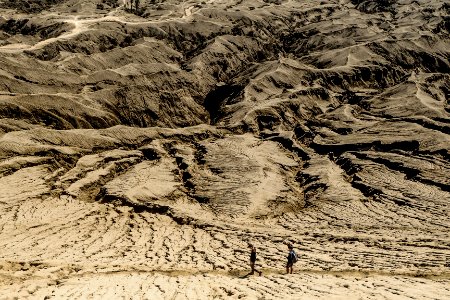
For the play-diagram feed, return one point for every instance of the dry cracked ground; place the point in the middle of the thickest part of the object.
(141, 152)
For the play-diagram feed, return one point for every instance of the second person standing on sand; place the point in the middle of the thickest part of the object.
(291, 259)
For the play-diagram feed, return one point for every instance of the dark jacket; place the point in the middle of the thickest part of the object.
(253, 255)
(291, 256)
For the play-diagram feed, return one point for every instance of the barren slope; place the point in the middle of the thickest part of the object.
(140, 154)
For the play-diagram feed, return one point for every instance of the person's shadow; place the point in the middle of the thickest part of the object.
(246, 275)
(238, 274)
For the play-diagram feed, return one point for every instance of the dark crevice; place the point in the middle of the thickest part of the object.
(215, 99)
(289, 145)
(410, 173)
(339, 149)
(152, 208)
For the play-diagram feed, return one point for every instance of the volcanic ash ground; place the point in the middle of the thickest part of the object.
(143, 148)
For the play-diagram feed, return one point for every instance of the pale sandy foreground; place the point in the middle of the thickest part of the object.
(150, 285)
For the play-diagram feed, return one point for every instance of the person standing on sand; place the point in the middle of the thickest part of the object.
(253, 259)
(291, 259)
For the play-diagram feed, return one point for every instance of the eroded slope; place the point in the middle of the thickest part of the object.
(139, 154)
